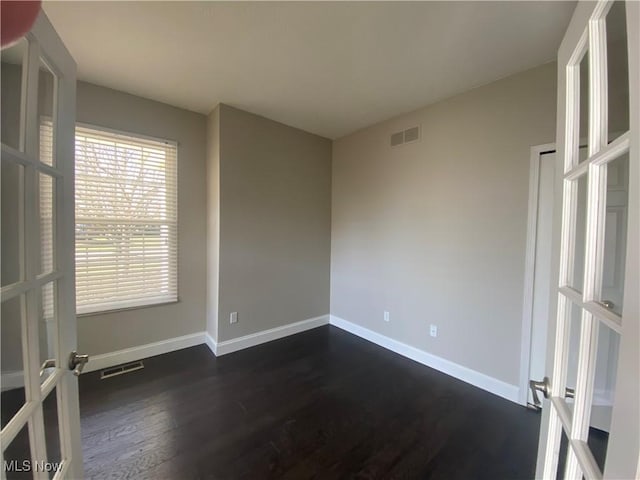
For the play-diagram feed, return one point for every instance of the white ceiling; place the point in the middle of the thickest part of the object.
(326, 67)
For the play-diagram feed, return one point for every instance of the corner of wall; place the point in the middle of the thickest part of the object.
(213, 223)
(473, 377)
(104, 333)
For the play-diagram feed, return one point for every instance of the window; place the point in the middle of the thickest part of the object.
(126, 220)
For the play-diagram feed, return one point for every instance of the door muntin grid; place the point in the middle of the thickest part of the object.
(574, 419)
(40, 208)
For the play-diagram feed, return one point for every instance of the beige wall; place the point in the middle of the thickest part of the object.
(10, 316)
(275, 220)
(10, 348)
(435, 231)
(114, 331)
(104, 107)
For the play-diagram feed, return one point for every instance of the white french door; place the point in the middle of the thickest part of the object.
(591, 425)
(40, 434)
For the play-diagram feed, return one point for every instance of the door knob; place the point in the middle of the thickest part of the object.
(50, 363)
(608, 304)
(543, 387)
(77, 362)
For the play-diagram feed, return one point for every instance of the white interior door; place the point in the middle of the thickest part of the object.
(593, 360)
(40, 433)
(545, 179)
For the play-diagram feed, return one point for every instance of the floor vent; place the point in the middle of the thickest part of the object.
(121, 369)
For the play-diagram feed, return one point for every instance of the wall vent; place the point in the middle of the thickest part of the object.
(409, 135)
(121, 369)
(397, 139)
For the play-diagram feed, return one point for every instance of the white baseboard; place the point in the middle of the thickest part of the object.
(105, 360)
(211, 343)
(11, 380)
(240, 343)
(505, 390)
(480, 380)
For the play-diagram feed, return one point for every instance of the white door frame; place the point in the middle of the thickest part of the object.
(45, 46)
(535, 158)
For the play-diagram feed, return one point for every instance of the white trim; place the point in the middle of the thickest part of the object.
(240, 343)
(529, 268)
(105, 360)
(211, 343)
(477, 379)
(12, 380)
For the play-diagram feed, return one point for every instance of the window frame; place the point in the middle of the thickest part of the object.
(99, 129)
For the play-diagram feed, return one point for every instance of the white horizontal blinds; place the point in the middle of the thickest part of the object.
(46, 141)
(126, 221)
(46, 187)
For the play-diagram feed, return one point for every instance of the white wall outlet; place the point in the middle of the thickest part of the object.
(433, 330)
(233, 318)
(386, 316)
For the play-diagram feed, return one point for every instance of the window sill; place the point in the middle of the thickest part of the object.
(126, 309)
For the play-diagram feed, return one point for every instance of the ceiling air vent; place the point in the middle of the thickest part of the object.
(406, 136)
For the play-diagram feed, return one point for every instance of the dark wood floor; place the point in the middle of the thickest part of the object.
(322, 404)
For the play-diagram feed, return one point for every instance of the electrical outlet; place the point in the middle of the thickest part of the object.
(433, 330)
(386, 316)
(233, 318)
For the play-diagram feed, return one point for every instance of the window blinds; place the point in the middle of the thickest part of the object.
(126, 221)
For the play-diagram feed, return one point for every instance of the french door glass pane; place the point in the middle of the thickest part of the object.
(46, 90)
(11, 61)
(583, 137)
(47, 199)
(617, 70)
(583, 152)
(615, 245)
(47, 329)
(17, 456)
(562, 456)
(575, 319)
(603, 391)
(52, 432)
(597, 441)
(11, 221)
(12, 397)
(580, 234)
